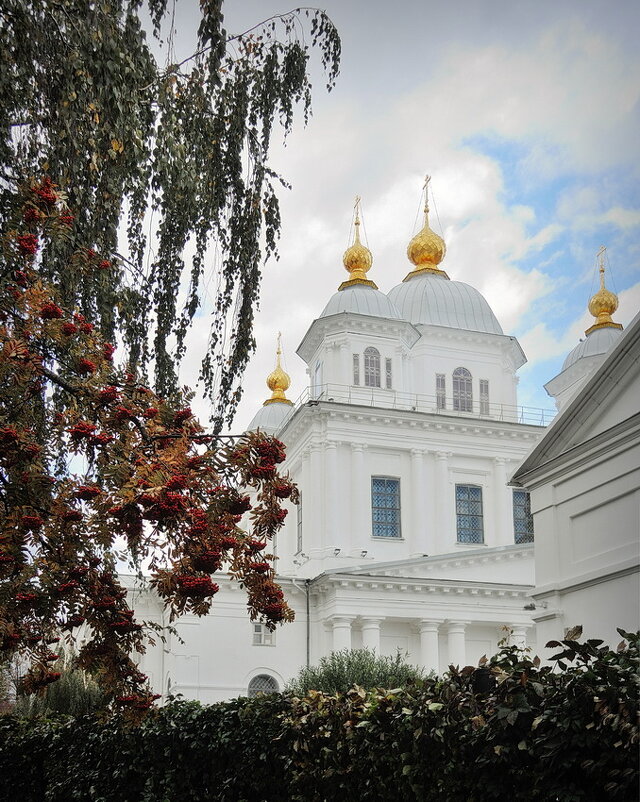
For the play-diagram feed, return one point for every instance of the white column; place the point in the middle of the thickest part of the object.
(429, 648)
(445, 538)
(371, 633)
(332, 504)
(503, 534)
(305, 497)
(346, 371)
(518, 636)
(456, 643)
(313, 512)
(419, 527)
(341, 632)
(360, 505)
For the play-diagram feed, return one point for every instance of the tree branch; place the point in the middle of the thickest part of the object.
(173, 69)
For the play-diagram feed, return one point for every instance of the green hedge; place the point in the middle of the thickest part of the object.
(510, 730)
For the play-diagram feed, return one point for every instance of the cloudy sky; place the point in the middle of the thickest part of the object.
(526, 114)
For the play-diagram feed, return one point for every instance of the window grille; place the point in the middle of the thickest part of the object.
(385, 506)
(462, 391)
(522, 517)
(356, 368)
(263, 683)
(371, 367)
(469, 516)
(388, 373)
(484, 396)
(263, 636)
(441, 402)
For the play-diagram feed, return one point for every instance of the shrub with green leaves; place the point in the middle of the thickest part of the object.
(341, 670)
(75, 693)
(565, 732)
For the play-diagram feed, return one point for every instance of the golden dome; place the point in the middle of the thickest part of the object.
(278, 381)
(604, 303)
(357, 259)
(427, 249)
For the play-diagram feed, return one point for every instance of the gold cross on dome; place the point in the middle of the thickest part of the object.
(427, 181)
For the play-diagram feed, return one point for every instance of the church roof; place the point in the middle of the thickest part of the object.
(597, 342)
(362, 300)
(578, 422)
(432, 299)
(269, 418)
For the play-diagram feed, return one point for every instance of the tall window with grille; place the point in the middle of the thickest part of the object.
(462, 390)
(299, 525)
(484, 396)
(388, 376)
(385, 507)
(441, 397)
(522, 517)
(469, 515)
(371, 367)
(356, 369)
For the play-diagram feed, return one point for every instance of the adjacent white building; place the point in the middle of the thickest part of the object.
(584, 478)
(408, 535)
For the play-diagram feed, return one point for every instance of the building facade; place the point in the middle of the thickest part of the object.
(584, 478)
(407, 536)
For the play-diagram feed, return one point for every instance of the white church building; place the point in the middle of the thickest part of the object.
(408, 535)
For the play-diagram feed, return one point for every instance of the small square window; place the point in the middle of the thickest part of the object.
(263, 636)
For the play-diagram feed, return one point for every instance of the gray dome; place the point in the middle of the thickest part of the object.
(434, 299)
(270, 417)
(362, 300)
(594, 344)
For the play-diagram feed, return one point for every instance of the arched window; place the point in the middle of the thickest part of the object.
(371, 367)
(462, 392)
(263, 683)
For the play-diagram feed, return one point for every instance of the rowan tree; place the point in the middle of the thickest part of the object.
(92, 463)
(183, 149)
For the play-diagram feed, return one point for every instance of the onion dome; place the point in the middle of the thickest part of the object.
(604, 333)
(604, 303)
(359, 295)
(275, 410)
(357, 258)
(426, 296)
(427, 249)
(278, 381)
(583, 360)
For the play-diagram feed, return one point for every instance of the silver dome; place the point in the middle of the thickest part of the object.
(596, 343)
(362, 300)
(433, 299)
(270, 417)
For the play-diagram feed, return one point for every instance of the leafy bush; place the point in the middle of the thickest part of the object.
(74, 694)
(341, 670)
(563, 733)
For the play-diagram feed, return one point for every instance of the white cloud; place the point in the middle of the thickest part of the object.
(565, 99)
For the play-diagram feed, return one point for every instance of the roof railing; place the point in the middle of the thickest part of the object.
(381, 398)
